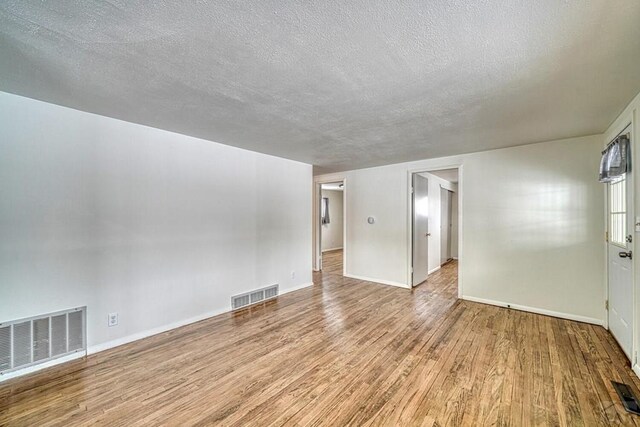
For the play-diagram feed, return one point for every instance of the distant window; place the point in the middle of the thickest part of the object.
(618, 212)
(325, 210)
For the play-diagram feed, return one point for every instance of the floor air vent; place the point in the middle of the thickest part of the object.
(243, 300)
(28, 342)
(627, 397)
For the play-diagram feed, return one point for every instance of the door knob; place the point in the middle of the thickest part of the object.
(625, 255)
(428, 234)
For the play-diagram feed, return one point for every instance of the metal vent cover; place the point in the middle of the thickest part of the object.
(240, 301)
(271, 292)
(38, 339)
(253, 297)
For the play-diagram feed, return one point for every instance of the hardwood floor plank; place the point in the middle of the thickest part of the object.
(343, 352)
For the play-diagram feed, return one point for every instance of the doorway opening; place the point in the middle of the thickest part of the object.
(330, 221)
(434, 225)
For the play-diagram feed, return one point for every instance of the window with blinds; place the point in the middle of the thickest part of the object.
(618, 212)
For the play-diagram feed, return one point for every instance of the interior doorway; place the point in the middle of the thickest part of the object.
(434, 225)
(330, 225)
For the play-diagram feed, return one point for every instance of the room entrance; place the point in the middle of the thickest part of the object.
(332, 227)
(434, 222)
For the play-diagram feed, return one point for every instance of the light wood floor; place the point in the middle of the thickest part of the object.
(343, 352)
(332, 262)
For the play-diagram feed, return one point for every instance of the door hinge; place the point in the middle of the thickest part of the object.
(606, 236)
(411, 270)
(411, 190)
(606, 304)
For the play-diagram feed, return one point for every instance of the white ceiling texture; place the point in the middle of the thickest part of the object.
(338, 84)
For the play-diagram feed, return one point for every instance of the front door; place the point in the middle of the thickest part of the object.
(420, 229)
(620, 247)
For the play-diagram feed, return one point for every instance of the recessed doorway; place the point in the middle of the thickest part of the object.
(434, 222)
(330, 224)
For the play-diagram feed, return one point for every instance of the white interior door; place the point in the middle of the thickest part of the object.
(420, 247)
(445, 225)
(319, 227)
(620, 247)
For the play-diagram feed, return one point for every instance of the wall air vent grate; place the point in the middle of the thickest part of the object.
(240, 301)
(271, 292)
(38, 339)
(253, 297)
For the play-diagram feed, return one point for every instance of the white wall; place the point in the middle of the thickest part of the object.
(159, 227)
(333, 233)
(532, 225)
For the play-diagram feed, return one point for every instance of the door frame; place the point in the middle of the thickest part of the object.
(409, 182)
(628, 124)
(413, 237)
(317, 227)
(448, 226)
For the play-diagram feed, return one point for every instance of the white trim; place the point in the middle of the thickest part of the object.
(331, 249)
(624, 122)
(434, 270)
(41, 366)
(454, 258)
(317, 231)
(380, 281)
(628, 115)
(460, 187)
(130, 338)
(535, 310)
(345, 220)
(636, 370)
(150, 332)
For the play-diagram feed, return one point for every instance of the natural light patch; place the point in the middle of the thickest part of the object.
(618, 212)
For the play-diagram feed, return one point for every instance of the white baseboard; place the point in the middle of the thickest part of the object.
(636, 370)
(45, 365)
(535, 310)
(150, 332)
(331, 249)
(455, 258)
(434, 270)
(297, 288)
(380, 281)
(130, 338)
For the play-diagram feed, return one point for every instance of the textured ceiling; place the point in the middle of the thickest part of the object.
(337, 84)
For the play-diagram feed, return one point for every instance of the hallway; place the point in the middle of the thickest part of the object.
(332, 262)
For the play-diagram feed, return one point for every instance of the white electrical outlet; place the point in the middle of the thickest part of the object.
(112, 319)
(293, 274)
